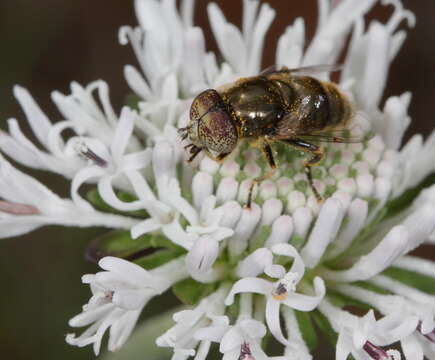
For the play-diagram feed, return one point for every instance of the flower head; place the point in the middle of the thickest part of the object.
(118, 296)
(186, 224)
(240, 341)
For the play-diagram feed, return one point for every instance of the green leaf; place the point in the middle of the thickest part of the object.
(306, 327)
(116, 243)
(323, 324)
(341, 300)
(157, 258)
(403, 201)
(297, 241)
(260, 239)
(190, 292)
(147, 250)
(95, 199)
(371, 287)
(419, 281)
(132, 101)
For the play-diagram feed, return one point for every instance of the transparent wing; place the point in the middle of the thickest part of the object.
(345, 136)
(307, 70)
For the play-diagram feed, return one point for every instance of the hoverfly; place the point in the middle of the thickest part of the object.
(284, 105)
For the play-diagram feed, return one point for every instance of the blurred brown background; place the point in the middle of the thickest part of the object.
(47, 44)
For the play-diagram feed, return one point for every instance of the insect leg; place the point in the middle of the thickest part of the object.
(267, 151)
(316, 156)
(194, 151)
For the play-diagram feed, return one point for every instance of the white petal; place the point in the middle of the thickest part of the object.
(145, 227)
(11, 225)
(290, 45)
(254, 264)
(136, 82)
(163, 160)
(222, 233)
(282, 229)
(125, 268)
(251, 285)
(378, 47)
(415, 264)
(295, 200)
(203, 254)
(302, 219)
(228, 38)
(273, 320)
(38, 121)
(420, 225)
(121, 330)
(244, 229)
(202, 350)
(298, 266)
(232, 211)
(136, 160)
(383, 255)
(83, 176)
(271, 209)
(264, 19)
(356, 216)
(208, 213)
(296, 342)
(106, 323)
(131, 299)
(343, 348)
(88, 317)
(411, 348)
(383, 187)
(253, 328)
(232, 340)
(212, 333)
(177, 235)
(202, 187)
(193, 58)
(404, 290)
(396, 114)
(324, 231)
(303, 302)
(209, 166)
(107, 193)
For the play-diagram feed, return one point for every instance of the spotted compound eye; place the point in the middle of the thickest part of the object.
(215, 130)
(203, 103)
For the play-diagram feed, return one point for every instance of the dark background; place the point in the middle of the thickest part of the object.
(47, 44)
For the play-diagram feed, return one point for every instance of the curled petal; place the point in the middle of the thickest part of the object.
(298, 266)
(304, 302)
(273, 320)
(251, 285)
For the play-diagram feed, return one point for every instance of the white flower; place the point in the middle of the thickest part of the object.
(242, 50)
(362, 337)
(118, 296)
(238, 341)
(60, 158)
(27, 205)
(109, 163)
(281, 292)
(195, 214)
(296, 347)
(181, 337)
(418, 343)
